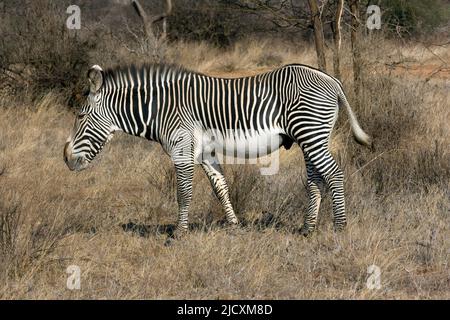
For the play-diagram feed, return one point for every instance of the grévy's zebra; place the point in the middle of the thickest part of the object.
(177, 107)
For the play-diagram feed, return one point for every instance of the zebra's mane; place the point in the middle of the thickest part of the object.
(121, 75)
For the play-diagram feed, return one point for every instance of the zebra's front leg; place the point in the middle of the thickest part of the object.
(184, 174)
(314, 193)
(220, 187)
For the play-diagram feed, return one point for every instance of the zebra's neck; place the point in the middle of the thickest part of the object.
(141, 102)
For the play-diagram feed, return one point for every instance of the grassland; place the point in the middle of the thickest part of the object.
(110, 220)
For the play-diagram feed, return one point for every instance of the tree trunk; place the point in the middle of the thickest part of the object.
(153, 43)
(318, 35)
(337, 39)
(356, 48)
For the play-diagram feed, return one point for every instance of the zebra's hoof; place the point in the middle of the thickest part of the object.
(306, 231)
(175, 236)
(234, 225)
(339, 227)
(169, 242)
(234, 229)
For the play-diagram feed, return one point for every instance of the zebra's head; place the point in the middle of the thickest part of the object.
(93, 126)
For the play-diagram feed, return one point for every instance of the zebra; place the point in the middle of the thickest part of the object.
(174, 106)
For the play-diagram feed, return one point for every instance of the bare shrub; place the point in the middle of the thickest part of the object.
(414, 17)
(10, 221)
(198, 20)
(397, 200)
(244, 180)
(38, 52)
(165, 183)
(392, 111)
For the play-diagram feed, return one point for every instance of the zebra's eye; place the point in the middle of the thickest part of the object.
(81, 116)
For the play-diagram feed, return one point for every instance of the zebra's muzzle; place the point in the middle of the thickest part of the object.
(74, 163)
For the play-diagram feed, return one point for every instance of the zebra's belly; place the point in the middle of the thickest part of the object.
(241, 144)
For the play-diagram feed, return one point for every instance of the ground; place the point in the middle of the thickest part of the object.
(110, 220)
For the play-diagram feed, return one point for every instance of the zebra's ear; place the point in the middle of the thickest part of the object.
(95, 76)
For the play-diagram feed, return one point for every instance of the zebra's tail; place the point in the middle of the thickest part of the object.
(358, 133)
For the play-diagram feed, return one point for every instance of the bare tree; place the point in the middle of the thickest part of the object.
(318, 34)
(288, 14)
(356, 47)
(153, 43)
(337, 38)
(283, 14)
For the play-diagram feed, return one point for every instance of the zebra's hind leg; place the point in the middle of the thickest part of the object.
(326, 166)
(336, 183)
(216, 178)
(314, 185)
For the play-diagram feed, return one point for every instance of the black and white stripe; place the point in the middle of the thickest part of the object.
(176, 107)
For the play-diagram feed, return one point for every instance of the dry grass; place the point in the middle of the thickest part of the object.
(110, 219)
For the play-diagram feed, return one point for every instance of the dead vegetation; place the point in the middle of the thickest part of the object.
(111, 219)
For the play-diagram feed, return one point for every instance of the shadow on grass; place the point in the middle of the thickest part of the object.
(267, 221)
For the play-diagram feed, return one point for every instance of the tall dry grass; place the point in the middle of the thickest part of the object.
(110, 220)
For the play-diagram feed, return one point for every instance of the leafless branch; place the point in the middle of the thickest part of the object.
(152, 42)
(282, 15)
